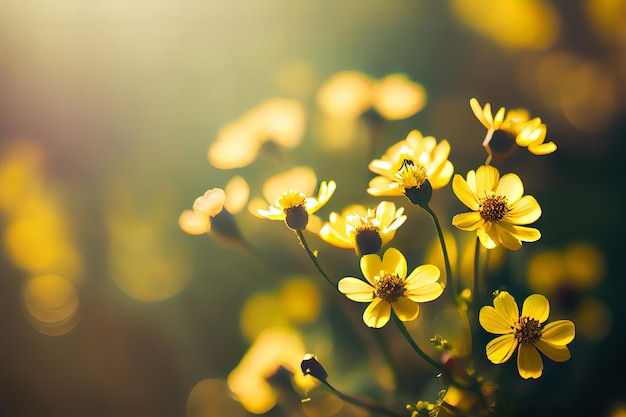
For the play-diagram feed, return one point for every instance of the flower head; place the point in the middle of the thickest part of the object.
(498, 208)
(294, 207)
(198, 220)
(526, 331)
(388, 287)
(413, 167)
(528, 133)
(365, 230)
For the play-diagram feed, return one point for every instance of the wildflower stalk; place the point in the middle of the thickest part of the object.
(313, 257)
(414, 345)
(486, 141)
(360, 403)
(446, 258)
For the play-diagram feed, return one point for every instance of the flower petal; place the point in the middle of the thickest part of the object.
(526, 210)
(405, 309)
(356, 289)
(506, 237)
(505, 304)
(469, 221)
(511, 186)
(494, 322)
(394, 262)
(500, 349)
(559, 333)
(523, 233)
(543, 149)
(382, 186)
(529, 363)
(371, 265)
(478, 112)
(377, 314)
(553, 352)
(486, 180)
(536, 306)
(464, 193)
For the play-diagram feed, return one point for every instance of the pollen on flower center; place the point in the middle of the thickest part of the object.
(493, 208)
(527, 330)
(390, 287)
(411, 175)
(291, 199)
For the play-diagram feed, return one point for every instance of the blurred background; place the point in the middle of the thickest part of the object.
(116, 115)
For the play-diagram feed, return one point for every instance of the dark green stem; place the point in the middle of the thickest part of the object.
(414, 345)
(313, 257)
(360, 403)
(446, 258)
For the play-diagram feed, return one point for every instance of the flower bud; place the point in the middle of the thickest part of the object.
(310, 366)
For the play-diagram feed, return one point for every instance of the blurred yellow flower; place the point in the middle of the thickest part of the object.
(528, 133)
(407, 164)
(365, 230)
(198, 220)
(349, 94)
(498, 208)
(527, 332)
(294, 207)
(388, 287)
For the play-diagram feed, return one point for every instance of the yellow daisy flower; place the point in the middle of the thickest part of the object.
(498, 208)
(294, 207)
(411, 167)
(388, 287)
(365, 230)
(527, 332)
(528, 133)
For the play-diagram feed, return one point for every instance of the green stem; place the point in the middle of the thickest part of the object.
(313, 257)
(360, 403)
(408, 337)
(446, 258)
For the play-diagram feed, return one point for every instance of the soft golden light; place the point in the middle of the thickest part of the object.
(515, 24)
(346, 94)
(211, 398)
(300, 300)
(280, 120)
(236, 146)
(397, 97)
(273, 348)
(194, 223)
(237, 193)
(302, 179)
(52, 303)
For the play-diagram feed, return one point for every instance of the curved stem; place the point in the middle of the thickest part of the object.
(417, 349)
(486, 141)
(313, 257)
(446, 258)
(360, 403)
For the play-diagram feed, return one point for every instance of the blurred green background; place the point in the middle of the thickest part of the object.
(108, 108)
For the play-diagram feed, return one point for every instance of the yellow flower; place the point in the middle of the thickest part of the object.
(198, 220)
(294, 207)
(498, 208)
(528, 133)
(365, 230)
(388, 287)
(527, 332)
(409, 164)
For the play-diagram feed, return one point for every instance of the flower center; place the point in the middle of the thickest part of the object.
(527, 330)
(291, 199)
(410, 175)
(390, 287)
(493, 208)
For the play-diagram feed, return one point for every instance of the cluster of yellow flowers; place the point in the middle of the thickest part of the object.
(499, 215)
